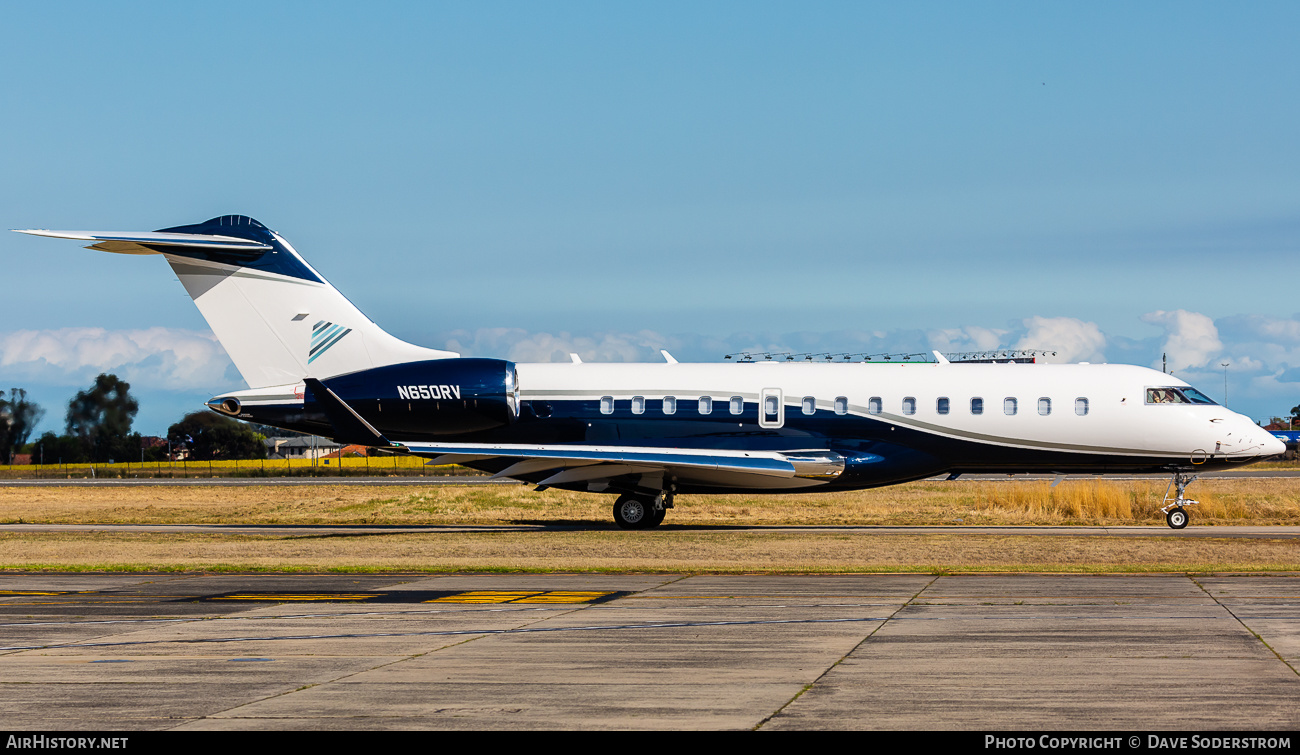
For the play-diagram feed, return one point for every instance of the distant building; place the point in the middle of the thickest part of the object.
(301, 447)
(349, 451)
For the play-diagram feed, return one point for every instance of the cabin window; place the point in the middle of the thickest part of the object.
(771, 406)
(1009, 406)
(873, 405)
(977, 406)
(1081, 406)
(606, 404)
(706, 404)
(1044, 406)
(670, 404)
(941, 405)
(737, 404)
(841, 405)
(809, 405)
(909, 405)
(638, 404)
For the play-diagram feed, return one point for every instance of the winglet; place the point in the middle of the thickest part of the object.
(669, 358)
(349, 427)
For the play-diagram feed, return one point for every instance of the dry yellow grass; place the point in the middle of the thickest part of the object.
(659, 551)
(1275, 501)
(1241, 501)
(376, 465)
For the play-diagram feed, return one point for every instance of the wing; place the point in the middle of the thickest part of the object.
(561, 465)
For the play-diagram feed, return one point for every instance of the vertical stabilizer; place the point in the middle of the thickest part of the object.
(277, 318)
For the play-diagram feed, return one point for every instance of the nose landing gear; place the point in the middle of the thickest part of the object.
(1175, 511)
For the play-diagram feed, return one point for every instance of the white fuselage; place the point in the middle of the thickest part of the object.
(1116, 419)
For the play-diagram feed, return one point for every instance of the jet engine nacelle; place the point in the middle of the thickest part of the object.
(434, 398)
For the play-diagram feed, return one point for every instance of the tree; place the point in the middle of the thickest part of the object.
(101, 417)
(56, 449)
(270, 431)
(18, 417)
(211, 436)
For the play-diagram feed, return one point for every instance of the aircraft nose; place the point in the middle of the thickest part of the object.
(1272, 447)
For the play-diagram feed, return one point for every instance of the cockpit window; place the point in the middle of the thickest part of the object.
(1165, 396)
(1176, 396)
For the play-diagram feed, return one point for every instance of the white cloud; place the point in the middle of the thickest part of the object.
(158, 358)
(969, 338)
(1245, 363)
(520, 345)
(1260, 328)
(1263, 352)
(1073, 340)
(1191, 338)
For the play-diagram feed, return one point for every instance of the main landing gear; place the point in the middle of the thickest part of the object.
(1175, 511)
(640, 512)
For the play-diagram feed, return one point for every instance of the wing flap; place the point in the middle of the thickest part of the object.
(766, 463)
(597, 472)
(438, 461)
(528, 466)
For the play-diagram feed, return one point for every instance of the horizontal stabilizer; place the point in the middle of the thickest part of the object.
(134, 242)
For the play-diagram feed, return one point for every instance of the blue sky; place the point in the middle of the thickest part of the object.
(525, 179)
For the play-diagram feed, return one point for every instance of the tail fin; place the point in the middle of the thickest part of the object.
(277, 318)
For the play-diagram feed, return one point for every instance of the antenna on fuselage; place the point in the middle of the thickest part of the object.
(1020, 356)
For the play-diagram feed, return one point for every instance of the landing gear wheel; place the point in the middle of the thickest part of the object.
(657, 517)
(632, 513)
(1177, 518)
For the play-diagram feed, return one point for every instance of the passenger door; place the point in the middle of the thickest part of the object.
(771, 408)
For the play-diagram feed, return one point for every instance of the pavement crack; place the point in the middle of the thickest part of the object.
(872, 633)
(1244, 625)
(226, 713)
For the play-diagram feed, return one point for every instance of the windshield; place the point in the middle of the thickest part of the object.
(1173, 395)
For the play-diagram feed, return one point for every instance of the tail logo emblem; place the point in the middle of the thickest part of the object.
(323, 336)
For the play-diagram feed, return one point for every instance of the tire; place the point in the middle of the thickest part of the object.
(657, 517)
(632, 513)
(1177, 518)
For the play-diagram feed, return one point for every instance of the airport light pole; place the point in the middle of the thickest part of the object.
(1224, 365)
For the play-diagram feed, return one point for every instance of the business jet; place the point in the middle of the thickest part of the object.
(648, 432)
